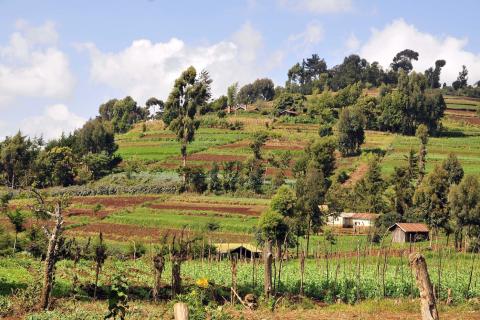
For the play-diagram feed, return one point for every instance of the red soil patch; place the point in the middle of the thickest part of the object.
(88, 212)
(114, 202)
(356, 175)
(464, 116)
(270, 171)
(214, 157)
(244, 210)
(124, 232)
(270, 145)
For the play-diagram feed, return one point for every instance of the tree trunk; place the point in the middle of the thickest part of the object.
(50, 259)
(428, 305)
(176, 278)
(302, 271)
(180, 311)
(15, 243)
(158, 265)
(267, 259)
(97, 272)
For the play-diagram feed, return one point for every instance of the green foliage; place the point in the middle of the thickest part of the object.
(118, 298)
(433, 75)
(123, 113)
(350, 131)
(272, 226)
(431, 199)
(464, 204)
(56, 166)
(403, 110)
(17, 155)
(368, 192)
(195, 179)
(260, 89)
(258, 141)
(254, 174)
(214, 183)
(188, 94)
(462, 79)
(232, 92)
(288, 102)
(403, 60)
(454, 169)
(284, 201)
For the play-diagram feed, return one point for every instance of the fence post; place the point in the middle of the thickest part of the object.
(180, 311)
(428, 306)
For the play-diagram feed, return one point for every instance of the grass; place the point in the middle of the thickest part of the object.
(192, 219)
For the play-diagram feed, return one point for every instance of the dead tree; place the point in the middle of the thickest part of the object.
(100, 257)
(178, 254)
(428, 305)
(267, 260)
(53, 211)
(159, 266)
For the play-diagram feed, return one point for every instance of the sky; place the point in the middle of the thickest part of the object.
(59, 60)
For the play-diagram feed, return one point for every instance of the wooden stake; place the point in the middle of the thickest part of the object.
(180, 311)
(428, 306)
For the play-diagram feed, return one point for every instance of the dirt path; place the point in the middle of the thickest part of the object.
(356, 175)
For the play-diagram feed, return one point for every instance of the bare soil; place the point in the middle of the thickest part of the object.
(115, 201)
(355, 176)
(244, 210)
(124, 232)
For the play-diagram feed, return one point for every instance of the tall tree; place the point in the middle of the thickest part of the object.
(403, 60)
(17, 219)
(464, 205)
(273, 229)
(350, 132)
(431, 199)
(122, 113)
(155, 107)
(454, 169)
(188, 94)
(433, 74)
(422, 135)
(368, 192)
(232, 92)
(462, 79)
(17, 155)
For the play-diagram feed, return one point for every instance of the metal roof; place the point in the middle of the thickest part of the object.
(365, 216)
(411, 227)
(228, 247)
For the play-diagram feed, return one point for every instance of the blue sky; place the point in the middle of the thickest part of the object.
(59, 60)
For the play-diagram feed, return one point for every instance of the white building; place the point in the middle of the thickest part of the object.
(352, 220)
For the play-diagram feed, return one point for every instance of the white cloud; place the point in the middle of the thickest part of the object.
(146, 68)
(31, 65)
(352, 43)
(398, 35)
(312, 35)
(318, 6)
(54, 120)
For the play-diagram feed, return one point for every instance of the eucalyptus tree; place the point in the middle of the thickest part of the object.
(189, 92)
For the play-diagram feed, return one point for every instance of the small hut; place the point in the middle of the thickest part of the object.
(409, 232)
(239, 250)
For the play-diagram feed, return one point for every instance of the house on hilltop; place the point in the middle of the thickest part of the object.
(409, 232)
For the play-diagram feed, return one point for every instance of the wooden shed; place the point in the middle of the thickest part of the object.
(409, 232)
(240, 250)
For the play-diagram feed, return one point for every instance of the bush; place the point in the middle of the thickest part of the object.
(6, 307)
